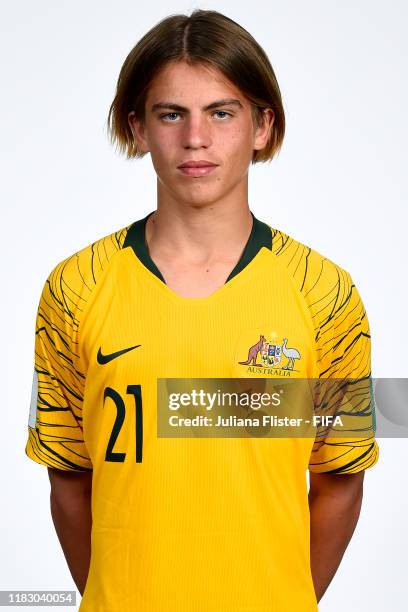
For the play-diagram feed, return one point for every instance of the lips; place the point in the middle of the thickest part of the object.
(197, 168)
(202, 163)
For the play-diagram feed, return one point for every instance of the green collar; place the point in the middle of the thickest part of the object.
(261, 235)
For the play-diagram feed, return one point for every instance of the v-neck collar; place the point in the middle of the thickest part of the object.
(260, 236)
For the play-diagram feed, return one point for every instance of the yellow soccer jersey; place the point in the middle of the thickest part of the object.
(183, 524)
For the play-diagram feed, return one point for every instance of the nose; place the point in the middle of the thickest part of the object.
(196, 132)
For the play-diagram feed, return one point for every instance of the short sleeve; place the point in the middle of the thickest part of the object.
(344, 354)
(55, 431)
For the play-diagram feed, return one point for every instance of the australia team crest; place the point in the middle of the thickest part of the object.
(271, 354)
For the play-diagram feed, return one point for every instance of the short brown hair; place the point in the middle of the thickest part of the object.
(204, 37)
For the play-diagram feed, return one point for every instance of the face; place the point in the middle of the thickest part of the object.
(194, 114)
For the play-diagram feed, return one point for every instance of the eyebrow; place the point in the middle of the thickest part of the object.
(182, 109)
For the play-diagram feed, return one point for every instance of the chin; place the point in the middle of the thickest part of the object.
(201, 200)
(198, 195)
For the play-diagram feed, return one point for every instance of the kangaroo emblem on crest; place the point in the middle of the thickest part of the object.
(253, 352)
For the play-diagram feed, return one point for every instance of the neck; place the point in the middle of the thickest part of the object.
(198, 234)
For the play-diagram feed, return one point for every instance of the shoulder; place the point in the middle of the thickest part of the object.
(313, 273)
(72, 281)
(73, 278)
(327, 290)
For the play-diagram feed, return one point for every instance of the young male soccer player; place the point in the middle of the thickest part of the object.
(199, 288)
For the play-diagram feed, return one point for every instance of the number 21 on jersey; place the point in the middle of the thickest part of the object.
(118, 401)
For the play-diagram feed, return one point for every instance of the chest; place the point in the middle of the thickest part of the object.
(138, 333)
(195, 281)
(259, 328)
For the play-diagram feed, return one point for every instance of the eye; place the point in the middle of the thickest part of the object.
(169, 115)
(172, 117)
(222, 113)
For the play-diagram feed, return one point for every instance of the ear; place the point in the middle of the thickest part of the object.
(263, 131)
(138, 130)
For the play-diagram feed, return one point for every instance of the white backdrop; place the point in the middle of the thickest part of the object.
(338, 185)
